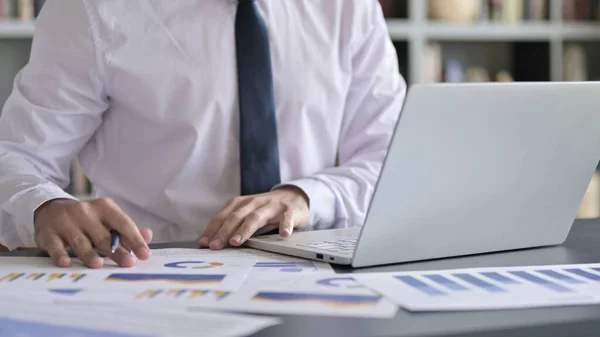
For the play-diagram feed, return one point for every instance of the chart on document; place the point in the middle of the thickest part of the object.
(308, 294)
(160, 272)
(489, 288)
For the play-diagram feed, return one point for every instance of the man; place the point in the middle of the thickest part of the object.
(211, 120)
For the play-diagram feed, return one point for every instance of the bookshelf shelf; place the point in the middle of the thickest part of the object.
(490, 31)
(400, 29)
(580, 31)
(404, 29)
(16, 29)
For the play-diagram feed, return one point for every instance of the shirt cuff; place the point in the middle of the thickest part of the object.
(25, 205)
(322, 201)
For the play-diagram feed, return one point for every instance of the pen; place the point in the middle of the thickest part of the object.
(115, 238)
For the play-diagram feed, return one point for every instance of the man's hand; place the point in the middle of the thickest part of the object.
(286, 208)
(85, 226)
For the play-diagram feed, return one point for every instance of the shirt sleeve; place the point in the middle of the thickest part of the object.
(56, 105)
(340, 196)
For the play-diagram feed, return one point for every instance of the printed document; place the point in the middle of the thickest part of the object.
(489, 288)
(159, 271)
(40, 318)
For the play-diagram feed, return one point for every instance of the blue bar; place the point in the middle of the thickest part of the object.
(586, 274)
(292, 270)
(538, 280)
(446, 282)
(500, 278)
(479, 283)
(421, 286)
(560, 277)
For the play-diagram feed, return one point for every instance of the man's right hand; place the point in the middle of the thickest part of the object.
(84, 226)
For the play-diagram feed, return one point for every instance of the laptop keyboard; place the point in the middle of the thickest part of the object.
(341, 245)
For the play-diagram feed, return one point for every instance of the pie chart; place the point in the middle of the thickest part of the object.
(340, 282)
(193, 264)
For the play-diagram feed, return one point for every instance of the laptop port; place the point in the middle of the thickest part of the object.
(319, 256)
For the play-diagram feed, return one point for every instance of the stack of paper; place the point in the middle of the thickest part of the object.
(200, 289)
(189, 282)
(41, 318)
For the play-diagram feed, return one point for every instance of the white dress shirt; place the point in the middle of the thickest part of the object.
(144, 93)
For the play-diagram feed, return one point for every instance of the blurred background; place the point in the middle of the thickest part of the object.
(436, 40)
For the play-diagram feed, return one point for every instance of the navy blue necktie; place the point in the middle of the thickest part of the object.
(259, 151)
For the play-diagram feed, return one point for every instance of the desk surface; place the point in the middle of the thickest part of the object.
(582, 246)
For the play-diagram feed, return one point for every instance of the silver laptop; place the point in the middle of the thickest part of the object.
(472, 168)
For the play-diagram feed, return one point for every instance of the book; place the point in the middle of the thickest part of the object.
(25, 10)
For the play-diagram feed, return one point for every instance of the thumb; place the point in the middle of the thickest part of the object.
(286, 226)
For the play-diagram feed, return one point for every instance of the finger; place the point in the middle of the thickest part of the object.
(55, 247)
(286, 226)
(146, 234)
(215, 224)
(116, 219)
(82, 246)
(234, 221)
(101, 238)
(123, 257)
(257, 219)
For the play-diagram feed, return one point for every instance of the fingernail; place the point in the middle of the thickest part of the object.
(237, 238)
(215, 244)
(64, 261)
(96, 261)
(203, 241)
(285, 232)
(128, 261)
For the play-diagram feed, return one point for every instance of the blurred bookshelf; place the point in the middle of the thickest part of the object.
(436, 41)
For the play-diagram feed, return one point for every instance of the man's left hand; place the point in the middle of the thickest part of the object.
(286, 207)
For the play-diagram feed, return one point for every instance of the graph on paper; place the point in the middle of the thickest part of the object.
(196, 279)
(340, 282)
(491, 288)
(328, 300)
(286, 267)
(13, 327)
(19, 277)
(194, 264)
(181, 294)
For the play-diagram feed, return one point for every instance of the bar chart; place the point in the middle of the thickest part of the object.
(490, 288)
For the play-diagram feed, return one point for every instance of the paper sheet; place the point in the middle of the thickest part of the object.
(489, 288)
(43, 319)
(159, 271)
(313, 294)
